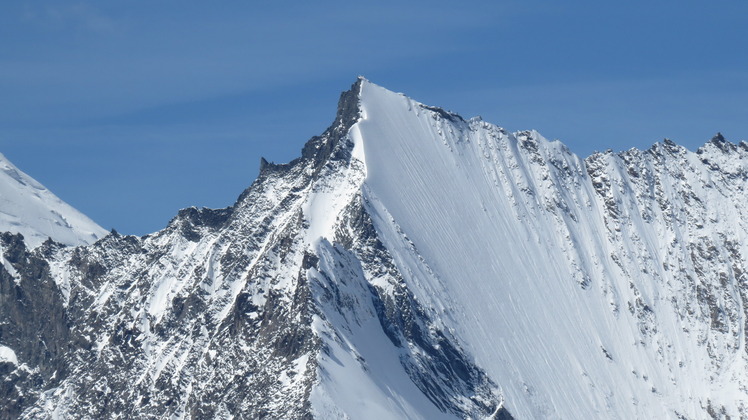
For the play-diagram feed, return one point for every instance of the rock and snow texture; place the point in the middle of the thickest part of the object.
(410, 264)
(28, 208)
(271, 308)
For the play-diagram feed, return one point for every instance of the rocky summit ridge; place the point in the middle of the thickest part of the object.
(410, 264)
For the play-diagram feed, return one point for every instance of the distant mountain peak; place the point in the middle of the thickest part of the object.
(29, 208)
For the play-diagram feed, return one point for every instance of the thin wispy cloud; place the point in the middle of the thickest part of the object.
(78, 16)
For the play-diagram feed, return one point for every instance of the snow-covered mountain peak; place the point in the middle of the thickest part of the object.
(28, 208)
(718, 143)
(409, 264)
(12, 172)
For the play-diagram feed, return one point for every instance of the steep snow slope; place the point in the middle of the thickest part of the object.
(608, 288)
(28, 208)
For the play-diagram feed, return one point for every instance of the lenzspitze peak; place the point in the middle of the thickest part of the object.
(409, 264)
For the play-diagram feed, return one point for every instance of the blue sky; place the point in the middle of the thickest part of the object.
(132, 110)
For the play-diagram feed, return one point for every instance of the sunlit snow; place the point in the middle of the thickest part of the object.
(27, 207)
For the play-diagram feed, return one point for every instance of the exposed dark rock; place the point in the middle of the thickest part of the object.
(447, 115)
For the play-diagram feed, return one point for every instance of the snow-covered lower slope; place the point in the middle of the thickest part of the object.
(410, 264)
(28, 208)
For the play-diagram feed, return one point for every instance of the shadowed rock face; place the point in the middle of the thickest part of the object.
(34, 324)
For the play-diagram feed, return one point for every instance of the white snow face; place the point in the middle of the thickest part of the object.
(607, 288)
(28, 208)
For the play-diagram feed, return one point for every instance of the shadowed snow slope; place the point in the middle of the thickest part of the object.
(28, 208)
